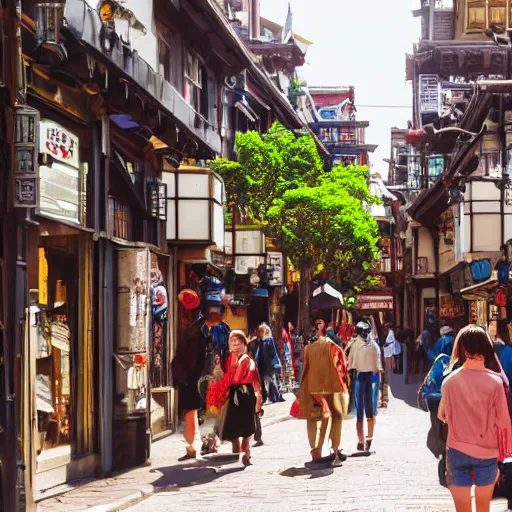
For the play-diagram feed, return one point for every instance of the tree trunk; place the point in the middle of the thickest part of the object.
(304, 326)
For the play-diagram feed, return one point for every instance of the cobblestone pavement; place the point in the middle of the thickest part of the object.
(401, 475)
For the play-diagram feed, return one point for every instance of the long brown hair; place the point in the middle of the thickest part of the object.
(473, 340)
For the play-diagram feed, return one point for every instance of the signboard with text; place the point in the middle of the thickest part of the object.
(59, 180)
(375, 302)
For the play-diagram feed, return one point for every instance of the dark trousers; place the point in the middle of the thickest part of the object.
(365, 397)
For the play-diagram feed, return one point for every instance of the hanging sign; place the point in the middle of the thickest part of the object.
(59, 143)
(450, 308)
(59, 179)
(374, 302)
(275, 266)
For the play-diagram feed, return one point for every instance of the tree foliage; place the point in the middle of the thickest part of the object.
(267, 166)
(319, 217)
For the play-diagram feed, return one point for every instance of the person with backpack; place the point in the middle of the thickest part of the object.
(444, 344)
(503, 348)
(475, 409)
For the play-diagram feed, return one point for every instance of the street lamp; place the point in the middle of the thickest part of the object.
(48, 18)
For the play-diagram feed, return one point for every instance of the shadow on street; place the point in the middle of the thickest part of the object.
(408, 393)
(179, 476)
(319, 473)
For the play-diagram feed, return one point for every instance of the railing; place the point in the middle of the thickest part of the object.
(85, 23)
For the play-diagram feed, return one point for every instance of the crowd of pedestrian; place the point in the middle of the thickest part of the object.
(466, 390)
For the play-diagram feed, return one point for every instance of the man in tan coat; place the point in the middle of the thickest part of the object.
(323, 394)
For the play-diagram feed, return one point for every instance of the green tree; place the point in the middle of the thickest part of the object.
(327, 226)
(267, 166)
(320, 218)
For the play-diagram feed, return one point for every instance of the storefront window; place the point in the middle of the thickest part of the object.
(54, 346)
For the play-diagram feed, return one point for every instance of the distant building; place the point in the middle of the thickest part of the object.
(335, 124)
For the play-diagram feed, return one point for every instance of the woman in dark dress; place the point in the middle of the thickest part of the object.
(241, 388)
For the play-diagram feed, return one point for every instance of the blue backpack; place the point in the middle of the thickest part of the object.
(481, 270)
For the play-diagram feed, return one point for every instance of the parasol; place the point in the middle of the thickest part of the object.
(327, 297)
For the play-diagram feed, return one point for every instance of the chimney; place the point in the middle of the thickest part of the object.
(254, 19)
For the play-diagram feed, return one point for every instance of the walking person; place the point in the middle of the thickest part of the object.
(474, 406)
(269, 364)
(503, 348)
(389, 349)
(364, 359)
(239, 393)
(323, 397)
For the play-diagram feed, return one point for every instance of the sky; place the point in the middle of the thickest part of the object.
(361, 43)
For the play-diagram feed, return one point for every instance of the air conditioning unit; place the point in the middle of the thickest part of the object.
(430, 94)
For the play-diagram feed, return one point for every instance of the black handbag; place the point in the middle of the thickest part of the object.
(441, 472)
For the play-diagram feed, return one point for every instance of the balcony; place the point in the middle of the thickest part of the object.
(85, 23)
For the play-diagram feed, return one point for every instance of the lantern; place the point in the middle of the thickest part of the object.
(158, 198)
(507, 190)
(49, 16)
(195, 206)
(26, 157)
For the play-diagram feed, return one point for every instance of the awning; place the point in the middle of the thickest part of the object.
(326, 297)
(482, 291)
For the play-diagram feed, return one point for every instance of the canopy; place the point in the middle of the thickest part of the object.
(482, 291)
(326, 297)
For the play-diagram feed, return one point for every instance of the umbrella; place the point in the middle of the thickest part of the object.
(326, 297)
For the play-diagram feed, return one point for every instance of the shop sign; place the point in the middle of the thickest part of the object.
(275, 266)
(450, 308)
(374, 302)
(59, 143)
(59, 179)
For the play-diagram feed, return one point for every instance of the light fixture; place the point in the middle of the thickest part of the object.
(195, 206)
(26, 156)
(49, 17)
(507, 190)
(158, 198)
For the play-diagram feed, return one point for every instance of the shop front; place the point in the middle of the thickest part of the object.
(58, 425)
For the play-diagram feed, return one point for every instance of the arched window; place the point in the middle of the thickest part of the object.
(481, 14)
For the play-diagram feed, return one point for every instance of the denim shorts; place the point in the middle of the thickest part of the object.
(465, 471)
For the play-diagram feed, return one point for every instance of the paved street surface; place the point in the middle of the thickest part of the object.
(401, 475)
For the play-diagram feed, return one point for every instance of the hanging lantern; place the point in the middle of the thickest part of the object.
(158, 197)
(49, 16)
(507, 190)
(26, 157)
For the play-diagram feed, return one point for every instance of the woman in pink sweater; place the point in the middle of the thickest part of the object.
(474, 406)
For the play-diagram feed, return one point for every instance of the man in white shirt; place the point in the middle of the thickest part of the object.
(364, 358)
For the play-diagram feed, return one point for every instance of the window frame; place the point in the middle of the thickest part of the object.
(166, 75)
(488, 7)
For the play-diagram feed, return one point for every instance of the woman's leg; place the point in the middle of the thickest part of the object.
(483, 497)
(462, 498)
(246, 450)
(191, 431)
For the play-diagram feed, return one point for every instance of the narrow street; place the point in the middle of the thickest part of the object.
(401, 475)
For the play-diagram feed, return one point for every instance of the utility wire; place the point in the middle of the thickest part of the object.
(383, 106)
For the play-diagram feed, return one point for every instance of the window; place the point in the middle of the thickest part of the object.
(119, 219)
(193, 82)
(164, 60)
(490, 165)
(481, 14)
